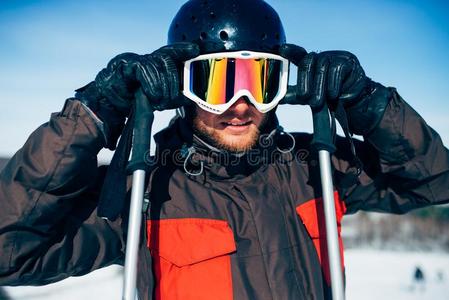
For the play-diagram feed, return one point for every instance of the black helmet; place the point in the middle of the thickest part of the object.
(228, 25)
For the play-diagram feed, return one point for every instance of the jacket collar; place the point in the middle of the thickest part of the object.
(179, 145)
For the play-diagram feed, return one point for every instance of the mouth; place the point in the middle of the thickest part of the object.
(236, 126)
(237, 123)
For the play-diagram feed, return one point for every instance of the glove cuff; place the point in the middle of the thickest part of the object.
(366, 114)
(113, 121)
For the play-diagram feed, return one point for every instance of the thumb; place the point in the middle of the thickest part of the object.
(292, 52)
(179, 51)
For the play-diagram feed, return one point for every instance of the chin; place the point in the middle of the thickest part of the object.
(238, 143)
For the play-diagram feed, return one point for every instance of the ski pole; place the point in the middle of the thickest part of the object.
(322, 141)
(141, 144)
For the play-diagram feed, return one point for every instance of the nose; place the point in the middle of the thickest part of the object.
(241, 106)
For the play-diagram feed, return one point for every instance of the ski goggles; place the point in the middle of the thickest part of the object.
(216, 81)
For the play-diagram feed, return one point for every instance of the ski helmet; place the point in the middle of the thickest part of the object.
(228, 25)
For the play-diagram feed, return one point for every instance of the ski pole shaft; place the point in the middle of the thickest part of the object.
(333, 244)
(322, 141)
(132, 241)
(141, 145)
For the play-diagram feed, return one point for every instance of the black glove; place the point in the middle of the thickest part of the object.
(158, 75)
(334, 76)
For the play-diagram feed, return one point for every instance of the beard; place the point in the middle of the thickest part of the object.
(232, 143)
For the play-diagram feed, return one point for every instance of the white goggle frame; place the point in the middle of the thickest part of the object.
(221, 108)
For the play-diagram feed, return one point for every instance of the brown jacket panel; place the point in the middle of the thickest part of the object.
(48, 224)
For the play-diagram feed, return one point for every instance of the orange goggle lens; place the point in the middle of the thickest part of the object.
(217, 80)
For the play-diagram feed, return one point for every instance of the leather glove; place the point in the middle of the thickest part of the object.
(334, 76)
(110, 96)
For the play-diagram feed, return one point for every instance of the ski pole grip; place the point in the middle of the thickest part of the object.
(322, 134)
(143, 122)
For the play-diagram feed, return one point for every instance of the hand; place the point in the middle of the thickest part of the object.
(336, 76)
(325, 76)
(158, 75)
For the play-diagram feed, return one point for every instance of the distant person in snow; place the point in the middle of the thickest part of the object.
(235, 202)
(418, 279)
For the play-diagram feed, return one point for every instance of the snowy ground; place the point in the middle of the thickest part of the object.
(371, 274)
(374, 274)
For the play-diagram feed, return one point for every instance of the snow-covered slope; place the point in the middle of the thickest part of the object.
(103, 284)
(373, 274)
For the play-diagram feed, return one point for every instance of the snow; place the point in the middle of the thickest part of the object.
(103, 284)
(370, 274)
(374, 274)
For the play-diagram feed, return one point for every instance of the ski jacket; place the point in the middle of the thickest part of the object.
(245, 229)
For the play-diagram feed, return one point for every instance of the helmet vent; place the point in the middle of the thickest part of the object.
(203, 35)
(194, 19)
(224, 35)
(277, 36)
(263, 36)
(212, 15)
(184, 37)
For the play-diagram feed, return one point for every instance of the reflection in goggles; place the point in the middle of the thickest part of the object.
(216, 81)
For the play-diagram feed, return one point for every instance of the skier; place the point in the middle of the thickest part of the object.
(418, 279)
(235, 209)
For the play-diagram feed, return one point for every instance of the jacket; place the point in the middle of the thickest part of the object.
(242, 230)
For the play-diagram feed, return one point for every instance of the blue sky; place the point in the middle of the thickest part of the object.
(49, 48)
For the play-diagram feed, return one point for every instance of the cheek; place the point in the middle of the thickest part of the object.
(205, 117)
(260, 118)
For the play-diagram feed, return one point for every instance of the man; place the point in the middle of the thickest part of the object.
(235, 206)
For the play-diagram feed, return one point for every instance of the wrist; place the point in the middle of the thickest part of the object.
(84, 124)
(112, 121)
(367, 113)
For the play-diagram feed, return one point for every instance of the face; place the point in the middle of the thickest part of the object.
(236, 130)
